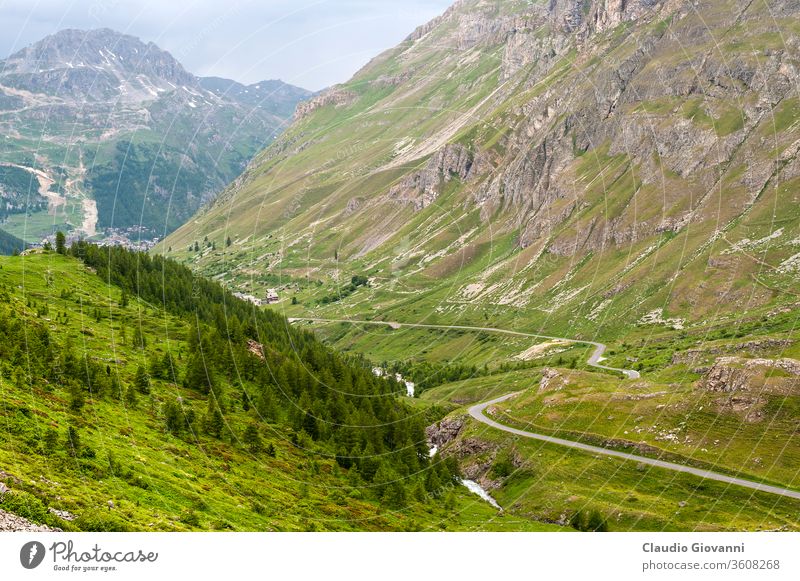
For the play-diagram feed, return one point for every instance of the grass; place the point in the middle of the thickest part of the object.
(155, 480)
(622, 231)
(666, 414)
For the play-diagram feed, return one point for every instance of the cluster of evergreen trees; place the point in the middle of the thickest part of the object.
(429, 374)
(10, 244)
(240, 357)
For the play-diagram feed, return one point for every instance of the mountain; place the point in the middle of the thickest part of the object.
(517, 203)
(561, 165)
(115, 133)
(275, 96)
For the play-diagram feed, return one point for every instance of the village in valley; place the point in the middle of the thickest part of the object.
(270, 299)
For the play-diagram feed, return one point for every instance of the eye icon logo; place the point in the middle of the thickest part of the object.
(31, 554)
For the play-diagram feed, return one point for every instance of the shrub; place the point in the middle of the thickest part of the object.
(591, 521)
(100, 522)
(26, 505)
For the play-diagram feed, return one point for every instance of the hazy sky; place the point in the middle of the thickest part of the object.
(311, 43)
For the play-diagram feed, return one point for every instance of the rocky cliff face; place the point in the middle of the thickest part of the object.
(334, 97)
(423, 187)
(648, 135)
(731, 374)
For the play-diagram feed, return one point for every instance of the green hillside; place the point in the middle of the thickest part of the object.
(616, 172)
(496, 166)
(10, 244)
(138, 405)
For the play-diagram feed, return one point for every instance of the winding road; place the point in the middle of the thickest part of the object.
(594, 358)
(477, 411)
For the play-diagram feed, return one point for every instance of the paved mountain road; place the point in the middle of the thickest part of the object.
(477, 411)
(594, 359)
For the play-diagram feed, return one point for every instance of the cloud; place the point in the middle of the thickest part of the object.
(312, 43)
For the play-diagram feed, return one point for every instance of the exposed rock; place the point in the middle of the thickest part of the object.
(444, 431)
(552, 380)
(335, 96)
(256, 349)
(9, 477)
(729, 374)
(746, 406)
(13, 523)
(471, 447)
(62, 514)
(423, 187)
(353, 204)
(756, 347)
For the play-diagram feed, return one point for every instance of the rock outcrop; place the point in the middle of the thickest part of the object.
(13, 523)
(755, 347)
(444, 431)
(335, 96)
(423, 187)
(732, 374)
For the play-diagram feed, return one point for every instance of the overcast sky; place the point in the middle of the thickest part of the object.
(311, 43)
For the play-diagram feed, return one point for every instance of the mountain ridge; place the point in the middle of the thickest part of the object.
(494, 157)
(79, 104)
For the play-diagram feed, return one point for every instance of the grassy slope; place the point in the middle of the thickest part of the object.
(292, 227)
(155, 480)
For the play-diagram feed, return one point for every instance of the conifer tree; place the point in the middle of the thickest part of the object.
(142, 380)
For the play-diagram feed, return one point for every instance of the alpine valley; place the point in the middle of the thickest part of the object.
(535, 268)
(103, 131)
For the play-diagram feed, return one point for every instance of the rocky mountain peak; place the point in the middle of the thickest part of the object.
(103, 48)
(94, 64)
(487, 22)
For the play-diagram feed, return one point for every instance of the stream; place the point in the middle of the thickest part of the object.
(471, 485)
(476, 488)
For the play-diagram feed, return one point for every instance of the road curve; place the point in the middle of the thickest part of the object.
(476, 411)
(593, 361)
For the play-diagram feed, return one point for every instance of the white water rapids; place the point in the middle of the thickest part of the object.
(476, 488)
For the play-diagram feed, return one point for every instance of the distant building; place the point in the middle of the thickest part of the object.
(249, 298)
(272, 296)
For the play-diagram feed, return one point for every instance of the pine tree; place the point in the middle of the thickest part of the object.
(73, 443)
(61, 242)
(252, 438)
(173, 417)
(214, 421)
(199, 375)
(50, 441)
(142, 380)
(76, 396)
(130, 397)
